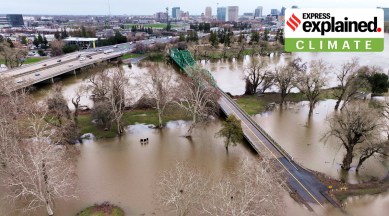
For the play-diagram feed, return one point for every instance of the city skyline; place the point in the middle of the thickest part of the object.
(150, 7)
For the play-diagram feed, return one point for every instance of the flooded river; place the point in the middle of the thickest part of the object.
(229, 74)
(123, 171)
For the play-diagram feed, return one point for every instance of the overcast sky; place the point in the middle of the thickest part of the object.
(149, 7)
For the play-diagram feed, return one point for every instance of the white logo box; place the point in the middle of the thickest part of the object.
(339, 14)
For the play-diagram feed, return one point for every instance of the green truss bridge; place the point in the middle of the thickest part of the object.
(310, 189)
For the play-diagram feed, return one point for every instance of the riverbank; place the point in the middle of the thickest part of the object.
(254, 104)
(130, 117)
(104, 209)
(341, 191)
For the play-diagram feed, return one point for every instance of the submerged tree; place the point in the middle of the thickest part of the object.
(34, 169)
(312, 81)
(257, 75)
(158, 85)
(351, 78)
(198, 96)
(357, 127)
(110, 88)
(231, 131)
(256, 188)
(284, 76)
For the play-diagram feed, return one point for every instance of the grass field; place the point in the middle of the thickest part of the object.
(28, 60)
(131, 55)
(156, 25)
(33, 60)
(254, 104)
(146, 116)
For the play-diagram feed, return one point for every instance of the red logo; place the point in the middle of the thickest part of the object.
(293, 22)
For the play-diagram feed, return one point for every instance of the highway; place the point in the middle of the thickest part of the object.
(34, 73)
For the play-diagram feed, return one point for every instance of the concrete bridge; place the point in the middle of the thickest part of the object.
(301, 181)
(28, 75)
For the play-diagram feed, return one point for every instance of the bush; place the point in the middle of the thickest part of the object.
(102, 113)
(156, 57)
(379, 83)
(104, 209)
(70, 48)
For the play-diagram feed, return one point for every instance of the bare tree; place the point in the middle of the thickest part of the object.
(158, 85)
(34, 170)
(57, 104)
(357, 126)
(13, 56)
(181, 190)
(56, 47)
(256, 188)
(117, 96)
(379, 148)
(198, 96)
(80, 91)
(351, 81)
(257, 74)
(110, 86)
(283, 79)
(311, 82)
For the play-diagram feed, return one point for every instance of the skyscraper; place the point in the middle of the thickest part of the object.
(208, 12)
(221, 14)
(258, 12)
(274, 12)
(282, 11)
(233, 12)
(176, 12)
(386, 13)
(16, 20)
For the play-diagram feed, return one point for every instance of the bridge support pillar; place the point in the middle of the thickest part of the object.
(74, 72)
(52, 80)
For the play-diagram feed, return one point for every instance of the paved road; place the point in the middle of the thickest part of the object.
(301, 181)
(43, 70)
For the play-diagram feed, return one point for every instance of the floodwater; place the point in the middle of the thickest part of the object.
(229, 74)
(302, 138)
(123, 171)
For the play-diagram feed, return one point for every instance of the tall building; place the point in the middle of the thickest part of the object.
(208, 12)
(386, 14)
(233, 12)
(176, 12)
(161, 16)
(258, 12)
(12, 20)
(221, 13)
(282, 13)
(274, 12)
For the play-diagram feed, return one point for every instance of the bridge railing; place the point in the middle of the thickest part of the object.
(259, 128)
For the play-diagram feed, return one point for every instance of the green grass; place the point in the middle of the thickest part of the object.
(156, 25)
(156, 57)
(28, 60)
(99, 210)
(358, 192)
(131, 55)
(33, 60)
(252, 104)
(146, 116)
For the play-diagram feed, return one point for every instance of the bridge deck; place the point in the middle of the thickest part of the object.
(301, 181)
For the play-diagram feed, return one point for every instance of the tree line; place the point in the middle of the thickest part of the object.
(356, 126)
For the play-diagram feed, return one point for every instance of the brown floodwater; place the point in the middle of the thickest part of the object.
(229, 74)
(123, 171)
